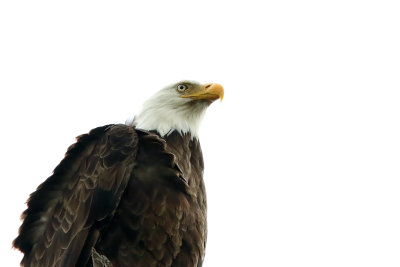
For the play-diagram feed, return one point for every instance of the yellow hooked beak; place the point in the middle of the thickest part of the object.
(211, 91)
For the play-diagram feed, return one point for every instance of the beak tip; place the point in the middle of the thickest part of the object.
(218, 90)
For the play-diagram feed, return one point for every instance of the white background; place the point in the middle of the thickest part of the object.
(302, 156)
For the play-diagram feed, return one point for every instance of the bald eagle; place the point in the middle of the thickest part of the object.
(127, 195)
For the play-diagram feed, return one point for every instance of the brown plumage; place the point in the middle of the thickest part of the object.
(122, 196)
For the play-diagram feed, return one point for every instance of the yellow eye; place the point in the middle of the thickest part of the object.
(182, 87)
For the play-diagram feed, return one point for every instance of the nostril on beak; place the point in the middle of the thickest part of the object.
(208, 85)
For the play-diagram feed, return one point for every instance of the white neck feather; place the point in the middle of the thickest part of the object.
(165, 114)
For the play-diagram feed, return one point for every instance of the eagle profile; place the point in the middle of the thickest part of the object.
(127, 195)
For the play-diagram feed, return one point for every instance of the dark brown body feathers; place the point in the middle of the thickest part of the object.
(136, 198)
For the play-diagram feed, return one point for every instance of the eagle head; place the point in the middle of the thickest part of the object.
(178, 107)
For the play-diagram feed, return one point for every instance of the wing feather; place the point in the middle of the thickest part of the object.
(85, 189)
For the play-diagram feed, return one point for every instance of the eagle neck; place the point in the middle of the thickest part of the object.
(166, 118)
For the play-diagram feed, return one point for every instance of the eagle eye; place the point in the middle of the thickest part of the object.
(182, 87)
